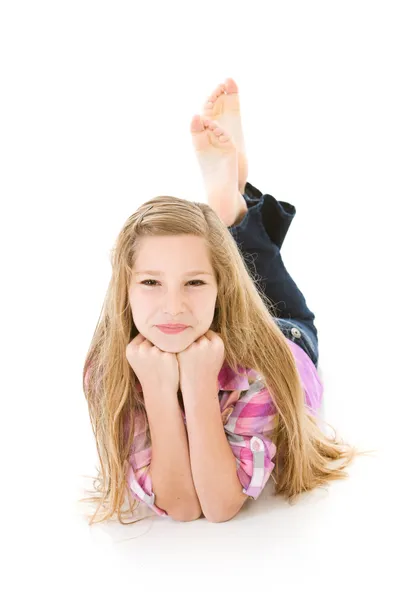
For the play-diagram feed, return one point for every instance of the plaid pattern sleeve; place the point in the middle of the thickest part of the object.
(248, 421)
(250, 417)
(140, 484)
(138, 477)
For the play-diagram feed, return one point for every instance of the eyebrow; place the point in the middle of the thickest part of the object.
(161, 273)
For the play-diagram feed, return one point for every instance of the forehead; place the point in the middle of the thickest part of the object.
(167, 253)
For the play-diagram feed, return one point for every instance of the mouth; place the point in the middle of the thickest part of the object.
(168, 329)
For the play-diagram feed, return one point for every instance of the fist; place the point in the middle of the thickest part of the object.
(154, 368)
(201, 362)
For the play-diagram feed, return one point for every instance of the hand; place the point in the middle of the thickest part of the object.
(201, 362)
(155, 369)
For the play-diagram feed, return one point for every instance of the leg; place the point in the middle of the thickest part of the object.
(258, 223)
(260, 234)
(276, 216)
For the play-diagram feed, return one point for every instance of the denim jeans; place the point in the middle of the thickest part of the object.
(260, 235)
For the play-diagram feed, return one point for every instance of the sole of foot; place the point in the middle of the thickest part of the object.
(223, 106)
(218, 160)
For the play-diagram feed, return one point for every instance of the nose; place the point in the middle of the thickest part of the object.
(174, 303)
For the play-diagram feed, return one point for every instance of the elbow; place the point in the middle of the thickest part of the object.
(184, 515)
(189, 511)
(189, 518)
(221, 519)
(230, 513)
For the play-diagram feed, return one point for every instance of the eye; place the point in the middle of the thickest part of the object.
(192, 281)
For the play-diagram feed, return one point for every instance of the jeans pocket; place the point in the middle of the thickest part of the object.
(295, 332)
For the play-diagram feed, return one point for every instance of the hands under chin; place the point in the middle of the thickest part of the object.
(201, 362)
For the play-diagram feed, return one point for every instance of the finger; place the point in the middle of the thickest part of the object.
(137, 340)
(147, 344)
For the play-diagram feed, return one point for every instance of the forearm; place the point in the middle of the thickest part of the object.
(170, 467)
(213, 463)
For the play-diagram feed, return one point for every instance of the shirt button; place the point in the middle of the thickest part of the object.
(255, 444)
(295, 332)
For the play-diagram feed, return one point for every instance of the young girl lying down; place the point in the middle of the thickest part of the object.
(201, 378)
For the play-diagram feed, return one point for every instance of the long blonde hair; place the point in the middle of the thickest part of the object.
(245, 320)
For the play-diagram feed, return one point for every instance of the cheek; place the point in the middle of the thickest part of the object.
(139, 305)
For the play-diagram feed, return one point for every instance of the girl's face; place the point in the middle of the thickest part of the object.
(171, 295)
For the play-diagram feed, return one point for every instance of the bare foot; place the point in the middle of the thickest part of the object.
(218, 160)
(224, 107)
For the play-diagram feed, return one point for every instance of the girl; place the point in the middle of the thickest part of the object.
(192, 420)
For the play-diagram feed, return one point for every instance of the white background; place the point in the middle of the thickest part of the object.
(96, 101)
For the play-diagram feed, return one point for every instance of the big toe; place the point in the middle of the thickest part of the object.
(197, 125)
(230, 85)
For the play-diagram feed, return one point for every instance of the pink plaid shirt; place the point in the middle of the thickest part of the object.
(248, 421)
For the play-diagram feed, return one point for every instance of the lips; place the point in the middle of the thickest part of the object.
(174, 329)
(173, 326)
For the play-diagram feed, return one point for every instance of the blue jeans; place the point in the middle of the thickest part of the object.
(260, 234)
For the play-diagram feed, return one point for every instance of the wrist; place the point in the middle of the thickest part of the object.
(204, 390)
(159, 394)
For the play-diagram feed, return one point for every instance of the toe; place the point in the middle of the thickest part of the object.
(217, 93)
(212, 103)
(197, 125)
(230, 86)
(221, 133)
(210, 123)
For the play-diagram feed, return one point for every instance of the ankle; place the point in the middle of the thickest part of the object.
(241, 209)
